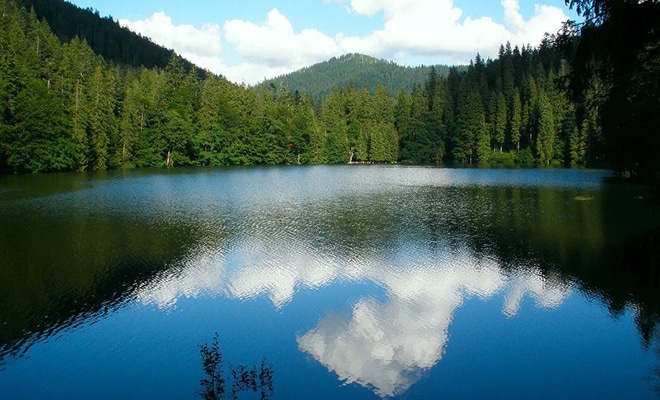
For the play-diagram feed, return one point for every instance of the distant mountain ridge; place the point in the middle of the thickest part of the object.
(358, 70)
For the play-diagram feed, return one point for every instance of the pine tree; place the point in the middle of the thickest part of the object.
(515, 122)
(306, 132)
(500, 122)
(547, 133)
(470, 126)
(333, 120)
(384, 143)
(402, 120)
(131, 124)
(39, 135)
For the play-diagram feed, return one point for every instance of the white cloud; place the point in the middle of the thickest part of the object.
(274, 47)
(438, 29)
(512, 17)
(184, 39)
(433, 30)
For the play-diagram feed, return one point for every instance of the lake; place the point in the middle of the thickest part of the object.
(349, 282)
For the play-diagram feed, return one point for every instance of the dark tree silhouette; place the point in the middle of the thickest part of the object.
(618, 48)
(258, 379)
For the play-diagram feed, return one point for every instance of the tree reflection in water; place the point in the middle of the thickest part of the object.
(243, 379)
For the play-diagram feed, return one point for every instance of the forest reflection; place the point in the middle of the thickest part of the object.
(428, 268)
(427, 272)
(384, 346)
(218, 384)
(429, 248)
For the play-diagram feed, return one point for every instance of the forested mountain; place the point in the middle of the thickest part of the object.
(358, 70)
(63, 107)
(103, 34)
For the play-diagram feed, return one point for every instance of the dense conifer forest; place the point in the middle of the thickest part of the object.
(357, 70)
(68, 104)
(103, 34)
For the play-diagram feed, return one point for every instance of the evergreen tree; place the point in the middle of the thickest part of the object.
(384, 144)
(547, 132)
(336, 147)
(402, 119)
(179, 101)
(515, 122)
(63, 107)
(306, 134)
(39, 140)
(131, 124)
(470, 126)
(500, 122)
(416, 143)
(617, 46)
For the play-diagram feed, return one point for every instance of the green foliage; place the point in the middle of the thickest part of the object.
(63, 107)
(503, 159)
(525, 157)
(104, 35)
(616, 53)
(547, 133)
(515, 122)
(358, 70)
(500, 122)
(39, 139)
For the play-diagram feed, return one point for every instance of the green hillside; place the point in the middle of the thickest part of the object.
(104, 35)
(358, 70)
(63, 107)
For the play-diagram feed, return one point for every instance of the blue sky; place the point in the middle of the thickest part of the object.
(248, 41)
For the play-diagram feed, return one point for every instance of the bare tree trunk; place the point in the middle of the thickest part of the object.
(169, 161)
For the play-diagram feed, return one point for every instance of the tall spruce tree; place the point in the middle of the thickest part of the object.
(619, 45)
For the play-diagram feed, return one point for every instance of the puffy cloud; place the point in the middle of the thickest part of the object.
(274, 47)
(432, 30)
(184, 39)
(381, 346)
(202, 46)
(437, 29)
(275, 43)
(547, 293)
(249, 72)
(512, 17)
(279, 274)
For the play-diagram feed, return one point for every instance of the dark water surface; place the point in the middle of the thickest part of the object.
(352, 282)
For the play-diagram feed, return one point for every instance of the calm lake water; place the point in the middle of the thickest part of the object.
(353, 282)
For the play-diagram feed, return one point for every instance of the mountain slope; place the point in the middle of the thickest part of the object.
(103, 34)
(358, 70)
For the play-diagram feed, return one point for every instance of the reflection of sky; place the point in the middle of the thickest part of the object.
(201, 275)
(402, 229)
(386, 345)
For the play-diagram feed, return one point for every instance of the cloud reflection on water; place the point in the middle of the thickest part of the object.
(385, 346)
(388, 346)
